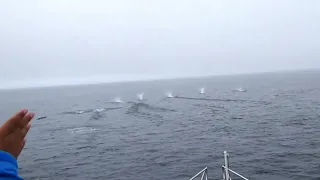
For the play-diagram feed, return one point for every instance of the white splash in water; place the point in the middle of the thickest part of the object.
(140, 96)
(241, 90)
(202, 91)
(82, 130)
(117, 100)
(169, 95)
(99, 110)
(79, 112)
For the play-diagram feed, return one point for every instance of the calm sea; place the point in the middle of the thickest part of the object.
(271, 131)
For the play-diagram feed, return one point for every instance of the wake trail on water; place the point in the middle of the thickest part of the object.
(220, 100)
(137, 106)
(210, 99)
(116, 100)
(77, 112)
(81, 130)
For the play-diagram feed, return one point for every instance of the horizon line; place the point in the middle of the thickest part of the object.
(151, 79)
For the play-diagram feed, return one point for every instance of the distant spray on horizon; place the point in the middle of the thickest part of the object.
(169, 94)
(118, 100)
(140, 96)
(240, 90)
(99, 110)
(202, 90)
(79, 112)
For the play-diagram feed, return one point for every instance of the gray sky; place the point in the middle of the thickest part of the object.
(79, 41)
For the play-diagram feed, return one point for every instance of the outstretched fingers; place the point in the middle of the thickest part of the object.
(12, 123)
(20, 134)
(26, 119)
(25, 131)
(16, 141)
(14, 131)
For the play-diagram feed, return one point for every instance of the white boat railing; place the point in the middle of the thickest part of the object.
(203, 173)
(226, 171)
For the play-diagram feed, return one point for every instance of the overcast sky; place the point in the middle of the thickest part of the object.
(79, 41)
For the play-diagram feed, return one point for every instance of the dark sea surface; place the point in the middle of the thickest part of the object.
(272, 131)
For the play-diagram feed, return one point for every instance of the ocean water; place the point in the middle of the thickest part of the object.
(272, 131)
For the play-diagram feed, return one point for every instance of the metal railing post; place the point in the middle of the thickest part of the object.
(226, 171)
(226, 165)
(206, 174)
(203, 174)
